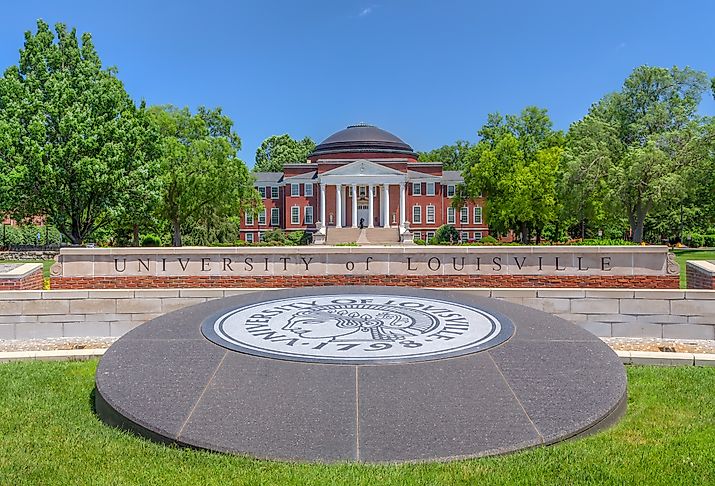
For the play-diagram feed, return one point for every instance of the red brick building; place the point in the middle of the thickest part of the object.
(359, 178)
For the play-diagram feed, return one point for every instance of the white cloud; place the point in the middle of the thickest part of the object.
(365, 11)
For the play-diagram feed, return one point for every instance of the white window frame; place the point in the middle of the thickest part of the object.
(275, 217)
(295, 190)
(262, 191)
(478, 215)
(451, 190)
(416, 188)
(275, 193)
(464, 215)
(430, 217)
(362, 191)
(464, 236)
(430, 235)
(450, 215)
(249, 238)
(417, 214)
(477, 236)
(417, 235)
(248, 220)
(262, 217)
(308, 189)
(295, 215)
(308, 215)
(260, 236)
(431, 189)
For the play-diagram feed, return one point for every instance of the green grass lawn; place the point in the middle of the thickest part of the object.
(49, 435)
(682, 255)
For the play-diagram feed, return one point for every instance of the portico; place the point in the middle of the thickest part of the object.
(366, 186)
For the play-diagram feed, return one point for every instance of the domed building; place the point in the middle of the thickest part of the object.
(363, 184)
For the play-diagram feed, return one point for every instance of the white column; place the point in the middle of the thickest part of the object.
(323, 221)
(402, 205)
(354, 196)
(370, 193)
(338, 206)
(386, 206)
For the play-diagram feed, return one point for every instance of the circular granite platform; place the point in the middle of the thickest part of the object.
(371, 374)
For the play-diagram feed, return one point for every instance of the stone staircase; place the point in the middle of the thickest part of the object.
(366, 236)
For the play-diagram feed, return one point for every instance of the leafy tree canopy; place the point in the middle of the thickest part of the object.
(516, 164)
(201, 177)
(639, 148)
(278, 150)
(452, 156)
(71, 139)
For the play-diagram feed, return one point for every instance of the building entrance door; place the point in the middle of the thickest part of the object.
(362, 213)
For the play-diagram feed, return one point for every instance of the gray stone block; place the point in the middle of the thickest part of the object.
(636, 329)
(645, 306)
(39, 307)
(554, 306)
(562, 293)
(7, 331)
(600, 329)
(693, 307)
(659, 294)
(139, 306)
(10, 308)
(595, 306)
(119, 328)
(688, 331)
(172, 304)
(93, 306)
(87, 328)
(38, 330)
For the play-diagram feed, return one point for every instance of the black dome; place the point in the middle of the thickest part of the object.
(363, 138)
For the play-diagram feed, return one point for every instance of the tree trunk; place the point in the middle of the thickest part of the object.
(135, 236)
(524, 234)
(637, 220)
(538, 235)
(583, 229)
(176, 225)
(75, 236)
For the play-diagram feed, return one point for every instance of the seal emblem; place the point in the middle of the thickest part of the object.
(359, 328)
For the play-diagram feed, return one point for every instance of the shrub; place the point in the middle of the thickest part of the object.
(489, 240)
(27, 235)
(602, 242)
(417, 241)
(298, 238)
(446, 235)
(150, 240)
(709, 240)
(695, 240)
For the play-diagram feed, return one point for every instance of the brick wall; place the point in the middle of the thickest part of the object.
(700, 274)
(499, 281)
(30, 278)
(683, 314)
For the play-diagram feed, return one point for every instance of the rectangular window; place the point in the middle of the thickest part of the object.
(274, 192)
(249, 237)
(464, 215)
(262, 192)
(416, 214)
(477, 236)
(430, 214)
(260, 236)
(362, 191)
(450, 215)
(416, 188)
(308, 215)
(464, 236)
(430, 235)
(295, 190)
(450, 190)
(417, 235)
(477, 215)
(295, 215)
(262, 216)
(249, 219)
(430, 188)
(275, 216)
(308, 189)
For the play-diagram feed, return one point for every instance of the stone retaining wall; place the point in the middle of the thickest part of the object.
(683, 314)
(27, 276)
(29, 255)
(700, 274)
(434, 266)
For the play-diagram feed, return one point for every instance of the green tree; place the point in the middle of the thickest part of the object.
(452, 157)
(278, 150)
(71, 139)
(516, 165)
(644, 142)
(201, 178)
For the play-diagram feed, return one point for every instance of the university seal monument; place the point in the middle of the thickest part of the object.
(371, 374)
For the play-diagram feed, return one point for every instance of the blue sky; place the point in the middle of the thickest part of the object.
(429, 72)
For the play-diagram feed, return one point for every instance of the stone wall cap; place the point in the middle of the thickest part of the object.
(21, 271)
(702, 266)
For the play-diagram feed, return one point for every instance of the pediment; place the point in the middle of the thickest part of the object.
(363, 168)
